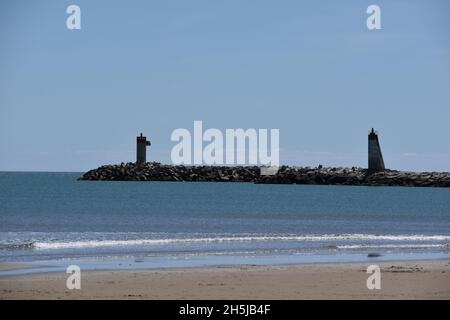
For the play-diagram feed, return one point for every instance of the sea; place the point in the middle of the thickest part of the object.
(52, 220)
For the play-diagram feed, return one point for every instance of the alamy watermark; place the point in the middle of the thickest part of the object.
(74, 280)
(374, 280)
(73, 21)
(232, 147)
(374, 20)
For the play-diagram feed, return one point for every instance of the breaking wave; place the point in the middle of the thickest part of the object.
(231, 239)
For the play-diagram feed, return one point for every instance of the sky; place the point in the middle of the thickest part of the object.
(71, 100)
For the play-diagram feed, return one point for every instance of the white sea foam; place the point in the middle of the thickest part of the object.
(150, 242)
(394, 246)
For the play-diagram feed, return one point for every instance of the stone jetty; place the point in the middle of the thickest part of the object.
(153, 171)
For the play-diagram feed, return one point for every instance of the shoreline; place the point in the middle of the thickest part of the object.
(421, 279)
(133, 263)
(9, 266)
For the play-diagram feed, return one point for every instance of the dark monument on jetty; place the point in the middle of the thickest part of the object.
(141, 149)
(375, 175)
(376, 162)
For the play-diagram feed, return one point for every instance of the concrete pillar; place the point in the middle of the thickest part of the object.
(376, 162)
(141, 149)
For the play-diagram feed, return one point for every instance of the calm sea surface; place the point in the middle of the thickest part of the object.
(53, 219)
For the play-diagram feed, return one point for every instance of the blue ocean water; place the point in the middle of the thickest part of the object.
(51, 218)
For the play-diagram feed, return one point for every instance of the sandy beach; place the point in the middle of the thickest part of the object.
(399, 280)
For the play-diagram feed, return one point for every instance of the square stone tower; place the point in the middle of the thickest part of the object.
(141, 149)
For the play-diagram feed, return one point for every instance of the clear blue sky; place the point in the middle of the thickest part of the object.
(73, 100)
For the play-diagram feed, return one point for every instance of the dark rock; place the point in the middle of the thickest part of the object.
(154, 171)
(374, 255)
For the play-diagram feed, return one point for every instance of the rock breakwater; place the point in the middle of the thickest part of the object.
(153, 171)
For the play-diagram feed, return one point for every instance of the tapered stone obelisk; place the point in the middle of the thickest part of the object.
(376, 162)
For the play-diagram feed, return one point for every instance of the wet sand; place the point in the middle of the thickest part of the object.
(14, 266)
(399, 280)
